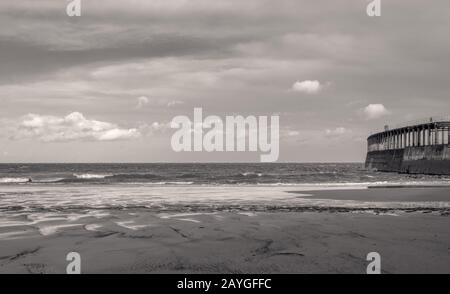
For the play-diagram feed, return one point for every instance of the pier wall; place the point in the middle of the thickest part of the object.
(388, 160)
(414, 160)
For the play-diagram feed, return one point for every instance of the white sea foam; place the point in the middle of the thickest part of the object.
(91, 176)
(131, 225)
(92, 227)
(251, 174)
(91, 198)
(50, 230)
(10, 223)
(14, 235)
(249, 214)
(49, 180)
(182, 216)
(171, 183)
(13, 180)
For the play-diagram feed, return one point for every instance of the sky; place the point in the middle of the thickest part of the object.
(104, 86)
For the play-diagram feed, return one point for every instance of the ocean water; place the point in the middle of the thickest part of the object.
(210, 174)
(45, 199)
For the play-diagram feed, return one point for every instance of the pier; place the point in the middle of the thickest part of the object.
(418, 147)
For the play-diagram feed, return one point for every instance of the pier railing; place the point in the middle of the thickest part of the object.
(411, 123)
(424, 132)
(422, 121)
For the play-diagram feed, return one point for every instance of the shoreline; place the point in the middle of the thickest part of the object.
(326, 231)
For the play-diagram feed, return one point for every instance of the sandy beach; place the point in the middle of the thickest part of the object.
(246, 238)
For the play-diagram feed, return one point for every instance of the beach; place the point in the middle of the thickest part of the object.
(224, 229)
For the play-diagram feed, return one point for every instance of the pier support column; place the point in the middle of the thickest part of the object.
(417, 137)
(409, 137)
(436, 136)
(402, 142)
(443, 136)
(389, 141)
(396, 139)
(448, 136)
(393, 140)
(424, 136)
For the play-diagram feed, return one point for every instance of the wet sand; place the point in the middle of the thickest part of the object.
(386, 194)
(227, 239)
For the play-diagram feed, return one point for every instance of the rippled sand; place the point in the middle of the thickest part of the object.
(131, 229)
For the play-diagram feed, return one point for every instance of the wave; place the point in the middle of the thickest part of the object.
(134, 176)
(91, 176)
(213, 174)
(14, 180)
(251, 174)
(44, 181)
(110, 178)
(172, 183)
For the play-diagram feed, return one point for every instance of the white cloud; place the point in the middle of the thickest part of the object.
(293, 133)
(142, 101)
(337, 132)
(374, 111)
(174, 103)
(69, 128)
(155, 128)
(308, 87)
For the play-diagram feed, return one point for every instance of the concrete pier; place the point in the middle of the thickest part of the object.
(421, 148)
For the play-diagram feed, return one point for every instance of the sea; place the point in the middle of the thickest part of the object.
(45, 199)
(208, 174)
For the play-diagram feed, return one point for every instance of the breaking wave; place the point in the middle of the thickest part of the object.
(90, 176)
(14, 180)
(209, 174)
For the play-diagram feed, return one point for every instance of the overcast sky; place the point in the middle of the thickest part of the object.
(103, 87)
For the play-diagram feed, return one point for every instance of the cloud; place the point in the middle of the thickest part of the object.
(227, 56)
(142, 101)
(174, 103)
(374, 111)
(337, 132)
(293, 133)
(308, 87)
(70, 128)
